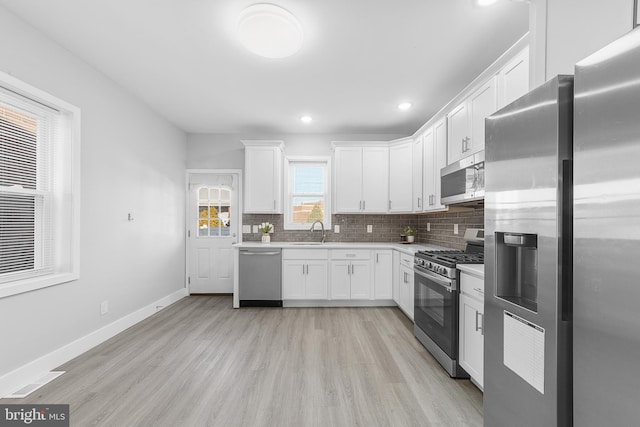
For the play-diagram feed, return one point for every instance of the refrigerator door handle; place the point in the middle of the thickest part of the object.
(566, 253)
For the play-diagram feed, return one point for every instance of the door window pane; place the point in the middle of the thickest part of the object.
(214, 214)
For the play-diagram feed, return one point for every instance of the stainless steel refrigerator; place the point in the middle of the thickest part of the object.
(528, 242)
(606, 311)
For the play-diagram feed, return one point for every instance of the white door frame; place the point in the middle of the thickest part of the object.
(189, 173)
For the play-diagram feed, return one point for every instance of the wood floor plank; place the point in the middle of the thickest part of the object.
(202, 363)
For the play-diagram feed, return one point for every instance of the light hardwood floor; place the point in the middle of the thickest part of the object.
(202, 363)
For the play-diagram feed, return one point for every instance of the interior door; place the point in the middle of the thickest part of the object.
(213, 225)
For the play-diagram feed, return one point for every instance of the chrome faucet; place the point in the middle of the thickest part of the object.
(312, 229)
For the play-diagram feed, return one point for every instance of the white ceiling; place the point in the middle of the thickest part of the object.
(360, 58)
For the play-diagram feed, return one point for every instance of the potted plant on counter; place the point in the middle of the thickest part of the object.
(410, 233)
(265, 229)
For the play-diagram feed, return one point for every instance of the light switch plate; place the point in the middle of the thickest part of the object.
(336, 229)
(455, 228)
(428, 226)
(255, 228)
(369, 228)
(246, 229)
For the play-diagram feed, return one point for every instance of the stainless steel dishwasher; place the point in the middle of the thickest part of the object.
(260, 277)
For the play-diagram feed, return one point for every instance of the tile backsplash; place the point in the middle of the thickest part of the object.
(386, 228)
(442, 227)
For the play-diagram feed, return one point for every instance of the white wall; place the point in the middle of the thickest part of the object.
(132, 161)
(225, 151)
(566, 31)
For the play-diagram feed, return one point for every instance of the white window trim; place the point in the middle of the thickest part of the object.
(288, 219)
(68, 269)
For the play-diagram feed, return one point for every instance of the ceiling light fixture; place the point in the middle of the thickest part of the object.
(404, 106)
(269, 30)
(306, 119)
(486, 2)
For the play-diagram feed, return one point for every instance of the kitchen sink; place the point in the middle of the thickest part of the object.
(306, 243)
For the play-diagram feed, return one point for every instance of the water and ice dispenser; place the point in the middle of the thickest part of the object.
(517, 269)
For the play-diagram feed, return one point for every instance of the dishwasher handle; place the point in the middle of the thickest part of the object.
(258, 253)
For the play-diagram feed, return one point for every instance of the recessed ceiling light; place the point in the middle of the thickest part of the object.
(404, 106)
(486, 2)
(269, 30)
(306, 119)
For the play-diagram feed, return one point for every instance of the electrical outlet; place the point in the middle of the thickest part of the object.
(336, 229)
(255, 229)
(455, 228)
(246, 229)
(428, 226)
(369, 228)
(104, 307)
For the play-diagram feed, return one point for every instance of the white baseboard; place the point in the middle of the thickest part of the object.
(35, 369)
(339, 303)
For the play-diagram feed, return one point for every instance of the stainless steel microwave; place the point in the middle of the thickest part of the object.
(463, 181)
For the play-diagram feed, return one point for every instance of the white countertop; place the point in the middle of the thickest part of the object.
(410, 248)
(473, 269)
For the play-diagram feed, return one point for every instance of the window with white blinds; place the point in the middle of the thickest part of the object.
(39, 137)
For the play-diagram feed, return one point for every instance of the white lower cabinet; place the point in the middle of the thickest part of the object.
(338, 274)
(304, 274)
(405, 285)
(471, 328)
(396, 275)
(383, 274)
(351, 274)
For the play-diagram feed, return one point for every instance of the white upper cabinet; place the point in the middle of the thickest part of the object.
(513, 79)
(434, 159)
(401, 177)
(482, 104)
(263, 176)
(440, 158)
(459, 134)
(348, 180)
(466, 121)
(361, 179)
(418, 202)
(375, 179)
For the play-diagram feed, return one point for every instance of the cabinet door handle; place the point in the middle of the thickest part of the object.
(463, 150)
(307, 267)
(419, 202)
(480, 325)
(364, 204)
(480, 291)
(360, 205)
(389, 204)
(377, 259)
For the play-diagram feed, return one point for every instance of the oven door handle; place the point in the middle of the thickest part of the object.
(444, 283)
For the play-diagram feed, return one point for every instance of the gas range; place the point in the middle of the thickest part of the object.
(444, 263)
(436, 299)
